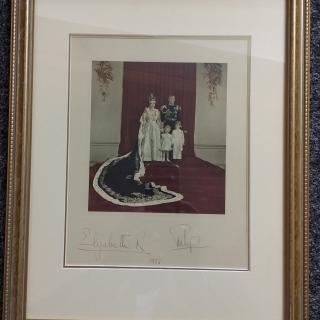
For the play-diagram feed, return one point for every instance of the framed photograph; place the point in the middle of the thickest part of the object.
(148, 134)
(158, 160)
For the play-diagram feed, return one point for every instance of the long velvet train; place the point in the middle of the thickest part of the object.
(201, 184)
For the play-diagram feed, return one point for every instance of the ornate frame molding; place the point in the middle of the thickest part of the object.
(297, 160)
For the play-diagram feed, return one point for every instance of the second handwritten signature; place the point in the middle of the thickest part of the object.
(184, 238)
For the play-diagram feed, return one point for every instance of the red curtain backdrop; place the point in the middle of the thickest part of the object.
(162, 79)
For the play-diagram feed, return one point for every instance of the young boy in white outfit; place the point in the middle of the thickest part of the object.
(177, 141)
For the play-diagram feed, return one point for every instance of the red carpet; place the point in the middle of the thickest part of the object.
(201, 183)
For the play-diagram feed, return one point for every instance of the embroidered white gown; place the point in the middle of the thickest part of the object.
(149, 135)
(178, 142)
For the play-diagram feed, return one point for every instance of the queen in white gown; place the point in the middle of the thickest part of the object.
(149, 133)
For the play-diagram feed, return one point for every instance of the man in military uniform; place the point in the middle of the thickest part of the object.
(170, 113)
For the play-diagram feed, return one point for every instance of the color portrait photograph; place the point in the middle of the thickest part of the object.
(158, 137)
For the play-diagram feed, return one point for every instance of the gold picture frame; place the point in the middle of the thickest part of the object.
(296, 213)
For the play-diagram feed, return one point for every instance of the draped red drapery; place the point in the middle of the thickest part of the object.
(162, 79)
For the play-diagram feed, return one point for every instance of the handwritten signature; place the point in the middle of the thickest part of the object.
(184, 239)
(100, 243)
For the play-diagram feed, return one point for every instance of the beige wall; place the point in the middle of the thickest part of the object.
(106, 116)
(210, 121)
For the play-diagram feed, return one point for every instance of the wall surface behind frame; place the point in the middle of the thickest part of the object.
(5, 10)
(315, 163)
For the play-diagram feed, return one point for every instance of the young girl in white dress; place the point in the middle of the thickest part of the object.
(166, 143)
(177, 141)
(149, 142)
